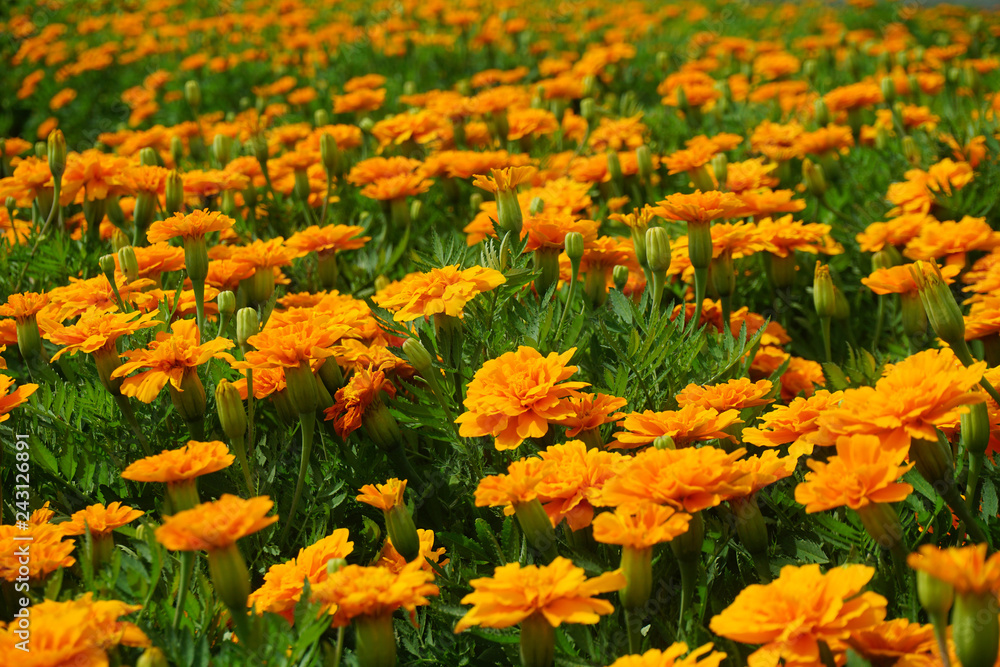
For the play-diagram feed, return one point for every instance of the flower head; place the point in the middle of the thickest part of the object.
(48, 550)
(99, 519)
(192, 225)
(574, 476)
(505, 179)
(702, 656)
(353, 400)
(700, 207)
(640, 526)
(795, 424)
(692, 423)
(559, 591)
(9, 401)
(355, 591)
(215, 525)
(732, 395)
(97, 331)
(383, 496)
(968, 568)
(445, 291)
(329, 239)
(591, 411)
(179, 465)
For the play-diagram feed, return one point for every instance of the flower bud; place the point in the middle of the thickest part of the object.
(41, 150)
(93, 212)
(664, 442)
(418, 355)
(329, 154)
(192, 94)
(366, 124)
(936, 596)
(107, 264)
(702, 177)
(302, 387)
(232, 415)
(885, 259)
(933, 461)
(644, 159)
(574, 247)
(942, 310)
(914, 317)
(302, 188)
(174, 193)
(724, 274)
(230, 577)
(509, 216)
(975, 425)
(537, 527)
(247, 324)
(148, 157)
(881, 138)
(975, 630)
(821, 112)
(700, 248)
(882, 524)
(222, 147)
(809, 70)
(152, 657)
(658, 249)
(912, 152)
(128, 263)
(260, 149)
(620, 276)
(750, 525)
(537, 205)
(815, 179)
(824, 297)
(588, 109)
(189, 400)
(416, 206)
(589, 85)
(56, 150)
(115, 215)
(176, 149)
(841, 307)
(402, 532)
(782, 269)
(227, 303)
(888, 89)
(614, 167)
(475, 201)
(321, 118)
(196, 258)
(720, 167)
(637, 566)
(29, 338)
(375, 641)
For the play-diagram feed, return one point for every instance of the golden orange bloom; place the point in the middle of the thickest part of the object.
(353, 400)
(853, 96)
(215, 525)
(950, 238)
(74, 632)
(373, 592)
(689, 479)
(790, 624)
(327, 240)
(750, 175)
(898, 641)
(795, 424)
(863, 471)
(700, 207)
(783, 236)
(283, 582)
(383, 496)
(516, 395)
(445, 291)
(48, 550)
(184, 463)
(640, 526)
(560, 592)
(899, 279)
(24, 307)
(192, 225)
(765, 201)
(896, 231)
(391, 559)
(703, 656)
(99, 519)
(732, 395)
(98, 331)
(518, 486)
(574, 476)
(505, 179)
(168, 358)
(548, 229)
(916, 395)
(9, 401)
(591, 411)
(290, 345)
(692, 423)
(379, 168)
(968, 569)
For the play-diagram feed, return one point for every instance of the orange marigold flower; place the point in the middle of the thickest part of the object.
(548, 229)
(354, 399)
(916, 395)
(506, 179)
(378, 168)
(968, 568)
(182, 464)
(591, 411)
(765, 201)
(383, 496)
(765, 469)
(516, 395)
(9, 401)
(194, 225)
(143, 179)
(24, 307)
(732, 395)
(950, 238)
(215, 525)
(853, 96)
(790, 625)
(863, 471)
(97, 331)
(783, 236)
(560, 592)
(390, 559)
(284, 582)
(168, 358)
(327, 240)
(48, 552)
(750, 175)
(795, 424)
(899, 279)
(702, 656)
(574, 476)
(438, 291)
(99, 519)
(640, 526)
(395, 187)
(373, 592)
(689, 479)
(518, 486)
(290, 345)
(692, 423)
(898, 641)
(700, 207)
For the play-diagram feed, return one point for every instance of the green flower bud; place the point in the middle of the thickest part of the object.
(329, 154)
(888, 89)
(475, 201)
(975, 630)
(637, 566)
(881, 138)
(247, 325)
(321, 118)
(176, 149)
(644, 159)
(302, 188)
(402, 532)
(589, 85)
(912, 152)
(914, 317)
(933, 461)
(174, 193)
(56, 150)
(936, 596)
(260, 148)
(942, 310)
(702, 178)
(189, 400)
(620, 276)
(882, 524)
(232, 415)
(416, 206)
(750, 525)
(658, 249)
(128, 263)
(222, 147)
(152, 657)
(230, 577)
(29, 338)
(418, 355)
(615, 167)
(509, 216)
(782, 269)
(302, 387)
(574, 247)
(809, 71)
(824, 297)
(192, 94)
(815, 179)
(409, 87)
(720, 167)
(537, 206)
(537, 527)
(884, 259)
(821, 112)
(700, 244)
(41, 150)
(664, 442)
(115, 214)
(366, 124)
(588, 109)
(975, 425)
(724, 274)
(107, 264)
(148, 157)
(145, 209)
(662, 60)
(227, 303)
(196, 258)
(841, 307)
(375, 641)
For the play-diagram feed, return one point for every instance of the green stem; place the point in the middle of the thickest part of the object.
(762, 564)
(326, 200)
(940, 622)
(183, 582)
(689, 577)
(961, 510)
(826, 655)
(727, 309)
(250, 408)
(879, 321)
(240, 447)
(569, 297)
(700, 285)
(961, 350)
(633, 623)
(976, 462)
(198, 287)
(825, 322)
(307, 422)
(126, 407)
(56, 188)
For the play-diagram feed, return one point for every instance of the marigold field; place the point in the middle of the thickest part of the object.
(498, 332)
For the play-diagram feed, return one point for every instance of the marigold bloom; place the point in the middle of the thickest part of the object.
(354, 399)
(284, 582)
(383, 496)
(518, 486)
(99, 519)
(96, 332)
(445, 291)
(899, 279)
(354, 591)
(23, 307)
(516, 395)
(327, 240)
(688, 480)
(784, 236)
(215, 525)
(700, 207)
(640, 526)
(967, 569)
(48, 550)
(559, 591)
(182, 464)
(290, 345)
(952, 239)
(574, 476)
(692, 423)
(9, 401)
(702, 656)
(591, 411)
(168, 359)
(192, 225)
(916, 395)
(790, 624)
(898, 641)
(732, 395)
(863, 471)
(505, 179)
(391, 559)
(74, 632)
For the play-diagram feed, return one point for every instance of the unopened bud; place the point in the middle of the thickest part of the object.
(221, 148)
(232, 414)
(658, 249)
(912, 152)
(128, 263)
(148, 157)
(821, 112)
(152, 657)
(176, 149)
(588, 109)
(418, 355)
(321, 118)
(247, 324)
(56, 150)
(815, 179)
(824, 297)
(329, 153)
(619, 275)
(537, 206)
(888, 89)
(644, 159)
(664, 442)
(226, 302)
(174, 194)
(192, 94)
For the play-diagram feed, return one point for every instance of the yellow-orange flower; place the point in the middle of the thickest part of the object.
(516, 395)
(863, 471)
(438, 291)
(968, 569)
(373, 592)
(98, 331)
(574, 476)
(795, 424)
(383, 496)
(9, 401)
(732, 395)
(99, 519)
(518, 486)
(692, 423)
(25, 306)
(48, 550)
(427, 554)
(703, 656)
(899, 279)
(327, 240)
(560, 592)
(192, 225)
(184, 463)
(591, 411)
(700, 207)
(215, 525)
(505, 179)
(898, 642)
(354, 398)
(640, 526)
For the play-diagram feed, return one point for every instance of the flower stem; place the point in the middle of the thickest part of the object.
(972, 486)
(240, 447)
(250, 407)
(183, 581)
(879, 321)
(825, 322)
(307, 422)
(700, 285)
(961, 510)
(198, 288)
(126, 407)
(633, 623)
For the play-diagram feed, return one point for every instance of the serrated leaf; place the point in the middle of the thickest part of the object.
(989, 512)
(621, 306)
(836, 380)
(810, 552)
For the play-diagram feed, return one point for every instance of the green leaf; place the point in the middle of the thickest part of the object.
(810, 552)
(989, 512)
(620, 305)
